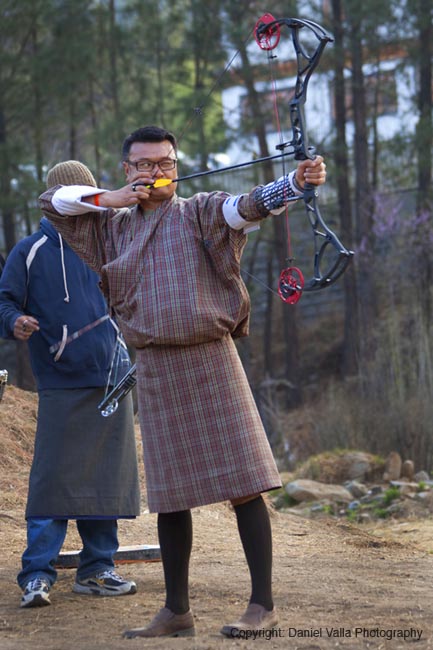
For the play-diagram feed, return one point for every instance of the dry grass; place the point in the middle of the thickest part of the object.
(18, 410)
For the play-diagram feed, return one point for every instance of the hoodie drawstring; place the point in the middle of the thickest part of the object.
(62, 255)
(62, 343)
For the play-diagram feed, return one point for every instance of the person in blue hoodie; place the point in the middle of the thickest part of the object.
(84, 465)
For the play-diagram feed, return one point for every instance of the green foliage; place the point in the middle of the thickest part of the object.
(381, 513)
(78, 75)
(390, 495)
(281, 499)
(353, 515)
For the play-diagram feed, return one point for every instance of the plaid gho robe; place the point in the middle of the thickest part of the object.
(172, 278)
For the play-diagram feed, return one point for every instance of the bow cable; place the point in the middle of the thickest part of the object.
(267, 35)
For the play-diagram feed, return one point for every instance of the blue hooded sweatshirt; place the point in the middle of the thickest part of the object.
(44, 278)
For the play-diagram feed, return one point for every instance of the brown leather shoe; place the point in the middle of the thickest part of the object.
(165, 623)
(255, 617)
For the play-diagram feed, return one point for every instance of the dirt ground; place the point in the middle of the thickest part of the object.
(336, 585)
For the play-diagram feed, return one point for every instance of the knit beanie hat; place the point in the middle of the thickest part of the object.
(71, 172)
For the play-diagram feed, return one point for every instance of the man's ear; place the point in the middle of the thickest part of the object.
(125, 168)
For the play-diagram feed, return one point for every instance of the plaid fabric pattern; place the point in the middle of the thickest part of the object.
(172, 276)
(203, 440)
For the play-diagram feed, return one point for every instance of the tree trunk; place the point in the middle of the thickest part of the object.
(424, 142)
(424, 126)
(351, 316)
(95, 132)
(114, 82)
(364, 202)
(37, 121)
(5, 186)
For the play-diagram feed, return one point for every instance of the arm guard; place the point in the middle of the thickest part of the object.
(274, 196)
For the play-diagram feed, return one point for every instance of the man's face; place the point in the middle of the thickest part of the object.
(146, 154)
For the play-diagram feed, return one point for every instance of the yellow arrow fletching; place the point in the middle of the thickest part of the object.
(162, 182)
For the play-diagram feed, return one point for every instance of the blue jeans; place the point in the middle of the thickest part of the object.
(45, 538)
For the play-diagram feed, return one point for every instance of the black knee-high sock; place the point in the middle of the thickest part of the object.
(175, 540)
(255, 532)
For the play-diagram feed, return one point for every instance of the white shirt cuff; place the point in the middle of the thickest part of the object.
(68, 200)
(234, 219)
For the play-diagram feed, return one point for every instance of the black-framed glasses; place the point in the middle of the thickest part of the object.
(148, 165)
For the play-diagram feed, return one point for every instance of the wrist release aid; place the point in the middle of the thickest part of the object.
(274, 196)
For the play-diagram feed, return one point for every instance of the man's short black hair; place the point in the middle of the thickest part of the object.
(147, 134)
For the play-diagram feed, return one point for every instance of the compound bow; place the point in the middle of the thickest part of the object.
(291, 283)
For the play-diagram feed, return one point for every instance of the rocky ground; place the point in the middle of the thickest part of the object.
(338, 583)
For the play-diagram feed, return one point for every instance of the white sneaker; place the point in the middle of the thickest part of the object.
(105, 583)
(36, 593)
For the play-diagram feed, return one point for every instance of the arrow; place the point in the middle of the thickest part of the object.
(162, 182)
